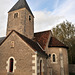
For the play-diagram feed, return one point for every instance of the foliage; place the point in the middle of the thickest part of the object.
(65, 32)
(72, 74)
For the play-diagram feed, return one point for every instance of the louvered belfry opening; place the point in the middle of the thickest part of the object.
(11, 65)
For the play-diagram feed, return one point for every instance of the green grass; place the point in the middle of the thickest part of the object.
(71, 73)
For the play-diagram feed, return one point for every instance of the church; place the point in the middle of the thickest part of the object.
(23, 52)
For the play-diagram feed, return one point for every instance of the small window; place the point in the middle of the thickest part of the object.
(29, 18)
(11, 65)
(53, 57)
(40, 67)
(12, 44)
(16, 15)
(49, 55)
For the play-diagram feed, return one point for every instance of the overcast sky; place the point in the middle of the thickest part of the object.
(48, 13)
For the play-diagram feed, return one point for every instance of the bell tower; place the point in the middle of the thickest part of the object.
(21, 19)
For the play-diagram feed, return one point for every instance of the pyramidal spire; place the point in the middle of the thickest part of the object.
(20, 4)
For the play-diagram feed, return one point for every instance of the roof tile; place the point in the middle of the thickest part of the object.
(42, 38)
(56, 43)
(34, 45)
(21, 4)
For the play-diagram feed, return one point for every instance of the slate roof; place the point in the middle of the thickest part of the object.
(56, 43)
(21, 4)
(34, 45)
(31, 43)
(39, 42)
(1, 39)
(42, 38)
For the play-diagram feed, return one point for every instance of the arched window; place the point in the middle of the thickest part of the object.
(29, 18)
(40, 67)
(11, 65)
(53, 58)
(16, 15)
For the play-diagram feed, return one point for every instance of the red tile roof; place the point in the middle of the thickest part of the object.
(56, 43)
(30, 42)
(42, 38)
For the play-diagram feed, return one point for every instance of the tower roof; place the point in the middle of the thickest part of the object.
(21, 4)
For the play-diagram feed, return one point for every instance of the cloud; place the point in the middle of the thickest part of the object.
(56, 4)
(5, 5)
(67, 9)
(45, 21)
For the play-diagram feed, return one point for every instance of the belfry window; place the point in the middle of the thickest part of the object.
(11, 65)
(29, 18)
(16, 15)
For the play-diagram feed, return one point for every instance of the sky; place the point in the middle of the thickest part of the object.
(47, 13)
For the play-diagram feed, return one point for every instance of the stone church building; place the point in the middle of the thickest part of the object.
(23, 52)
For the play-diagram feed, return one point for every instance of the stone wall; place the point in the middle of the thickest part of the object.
(22, 54)
(44, 65)
(61, 61)
(72, 68)
(21, 24)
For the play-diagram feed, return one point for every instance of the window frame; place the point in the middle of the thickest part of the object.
(29, 18)
(14, 15)
(12, 44)
(52, 60)
(11, 65)
(8, 65)
(42, 66)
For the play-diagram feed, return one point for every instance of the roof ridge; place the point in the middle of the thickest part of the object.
(21, 4)
(43, 31)
(39, 50)
(58, 40)
(30, 42)
(40, 46)
(54, 42)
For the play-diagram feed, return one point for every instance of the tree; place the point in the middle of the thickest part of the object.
(65, 32)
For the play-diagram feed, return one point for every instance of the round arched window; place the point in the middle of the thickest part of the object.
(53, 57)
(11, 65)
